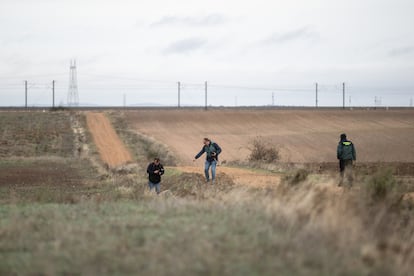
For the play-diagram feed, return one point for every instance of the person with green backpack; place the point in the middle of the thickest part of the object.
(212, 151)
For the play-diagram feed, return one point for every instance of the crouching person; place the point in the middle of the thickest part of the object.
(155, 170)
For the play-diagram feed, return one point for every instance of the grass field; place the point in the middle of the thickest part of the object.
(62, 212)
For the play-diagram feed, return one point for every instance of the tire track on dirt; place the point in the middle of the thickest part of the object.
(111, 149)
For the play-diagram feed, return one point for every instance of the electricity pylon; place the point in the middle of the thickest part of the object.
(73, 96)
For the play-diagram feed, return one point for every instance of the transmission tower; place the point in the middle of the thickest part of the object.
(73, 96)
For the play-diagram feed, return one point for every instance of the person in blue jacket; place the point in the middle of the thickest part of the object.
(212, 151)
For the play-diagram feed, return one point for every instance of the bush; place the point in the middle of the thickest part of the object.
(381, 185)
(295, 177)
(262, 152)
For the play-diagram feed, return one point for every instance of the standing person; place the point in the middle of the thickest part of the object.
(155, 170)
(212, 151)
(346, 155)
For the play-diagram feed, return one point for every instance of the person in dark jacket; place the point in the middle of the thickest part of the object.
(346, 155)
(212, 151)
(155, 170)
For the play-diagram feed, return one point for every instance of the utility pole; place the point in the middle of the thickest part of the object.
(316, 95)
(343, 95)
(53, 94)
(205, 87)
(273, 98)
(179, 94)
(25, 94)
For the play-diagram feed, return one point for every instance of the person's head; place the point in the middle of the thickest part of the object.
(343, 136)
(206, 141)
(156, 160)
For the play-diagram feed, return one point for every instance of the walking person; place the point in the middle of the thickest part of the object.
(346, 155)
(155, 170)
(212, 151)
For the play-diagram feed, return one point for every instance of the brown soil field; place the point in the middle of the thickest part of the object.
(302, 136)
(47, 179)
(21, 173)
(113, 152)
(35, 134)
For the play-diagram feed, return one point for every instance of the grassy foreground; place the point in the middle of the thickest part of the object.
(162, 237)
(238, 232)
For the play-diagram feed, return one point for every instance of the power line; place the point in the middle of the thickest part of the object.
(261, 88)
(107, 77)
(20, 77)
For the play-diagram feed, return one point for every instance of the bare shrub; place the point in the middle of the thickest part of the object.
(262, 152)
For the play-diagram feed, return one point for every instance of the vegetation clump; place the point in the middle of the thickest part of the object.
(262, 152)
(382, 186)
(295, 177)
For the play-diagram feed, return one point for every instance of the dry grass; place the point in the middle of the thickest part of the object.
(304, 229)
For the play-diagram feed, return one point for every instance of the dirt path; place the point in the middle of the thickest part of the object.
(252, 178)
(113, 152)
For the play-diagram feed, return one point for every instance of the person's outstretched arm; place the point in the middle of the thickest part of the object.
(199, 154)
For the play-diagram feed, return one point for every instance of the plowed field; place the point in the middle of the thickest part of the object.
(301, 135)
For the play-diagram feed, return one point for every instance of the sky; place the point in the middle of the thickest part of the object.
(258, 52)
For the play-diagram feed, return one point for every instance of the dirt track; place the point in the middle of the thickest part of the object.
(241, 176)
(110, 147)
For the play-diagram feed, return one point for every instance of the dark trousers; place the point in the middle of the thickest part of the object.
(345, 167)
(343, 164)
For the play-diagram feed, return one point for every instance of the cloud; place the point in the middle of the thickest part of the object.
(304, 33)
(192, 21)
(185, 46)
(401, 51)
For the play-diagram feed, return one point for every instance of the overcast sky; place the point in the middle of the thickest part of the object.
(368, 44)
